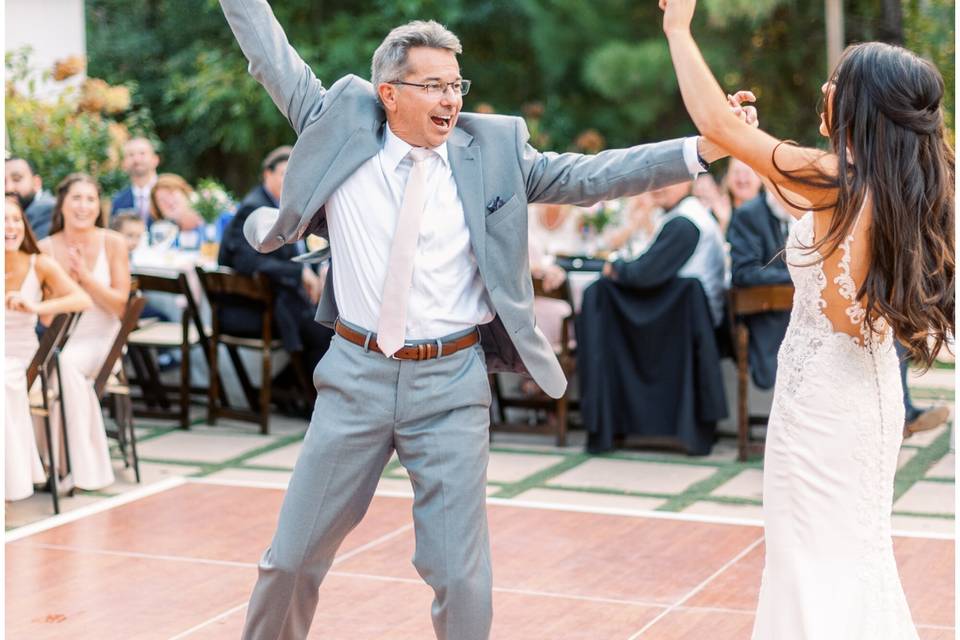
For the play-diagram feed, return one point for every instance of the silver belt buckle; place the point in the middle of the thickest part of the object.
(393, 356)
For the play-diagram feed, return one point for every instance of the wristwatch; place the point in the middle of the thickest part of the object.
(703, 163)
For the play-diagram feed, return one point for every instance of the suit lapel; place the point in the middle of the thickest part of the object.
(362, 145)
(468, 174)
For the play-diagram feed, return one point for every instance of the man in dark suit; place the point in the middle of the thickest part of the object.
(757, 235)
(296, 287)
(140, 162)
(20, 178)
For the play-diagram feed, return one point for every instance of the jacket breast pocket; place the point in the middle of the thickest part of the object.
(504, 212)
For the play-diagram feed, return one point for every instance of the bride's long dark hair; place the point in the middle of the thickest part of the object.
(886, 116)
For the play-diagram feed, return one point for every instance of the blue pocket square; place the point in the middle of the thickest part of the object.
(495, 204)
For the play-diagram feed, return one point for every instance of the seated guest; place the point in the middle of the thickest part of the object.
(22, 180)
(96, 259)
(35, 285)
(717, 202)
(140, 162)
(757, 236)
(131, 226)
(553, 229)
(635, 233)
(170, 200)
(741, 184)
(647, 354)
(297, 287)
(687, 245)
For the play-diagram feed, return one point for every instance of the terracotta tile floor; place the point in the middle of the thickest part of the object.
(180, 564)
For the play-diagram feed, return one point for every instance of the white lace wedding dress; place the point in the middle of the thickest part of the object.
(831, 455)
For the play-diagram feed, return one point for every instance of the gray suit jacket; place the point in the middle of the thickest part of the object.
(341, 127)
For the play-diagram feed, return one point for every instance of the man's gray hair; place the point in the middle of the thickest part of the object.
(390, 58)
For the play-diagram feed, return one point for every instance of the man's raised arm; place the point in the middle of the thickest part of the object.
(273, 62)
(573, 178)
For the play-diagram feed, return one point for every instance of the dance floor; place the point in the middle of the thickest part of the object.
(178, 561)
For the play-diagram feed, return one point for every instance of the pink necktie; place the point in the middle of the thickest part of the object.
(396, 287)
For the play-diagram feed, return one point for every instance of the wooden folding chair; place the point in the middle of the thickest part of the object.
(111, 380)
(224, 286)
(557, 408)
(45, 365)
(182, 335)
(744, 302)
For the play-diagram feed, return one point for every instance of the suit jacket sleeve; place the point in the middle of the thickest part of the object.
(247, 260)
(574, 178)
(750, 264)
(296, 91)
(661, 263)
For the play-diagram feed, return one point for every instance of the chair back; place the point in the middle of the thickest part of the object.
(560, 293)
(750, 300)
(131, 315)
(52, 340)
(224, 281)
(224, 286)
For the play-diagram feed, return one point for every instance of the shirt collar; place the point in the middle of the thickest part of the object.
(145, 190)
(395, 150)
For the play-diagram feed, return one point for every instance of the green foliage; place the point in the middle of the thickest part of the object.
(601, 65)
(929, 30)
(723, 12)
(80, 129)
(211, 198)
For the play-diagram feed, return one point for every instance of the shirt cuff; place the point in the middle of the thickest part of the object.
(690, 156)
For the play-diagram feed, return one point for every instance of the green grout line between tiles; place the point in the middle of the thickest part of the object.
(540, 478)
(912, 472)
(700, 490)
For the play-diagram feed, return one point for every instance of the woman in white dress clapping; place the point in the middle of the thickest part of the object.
(97, 260)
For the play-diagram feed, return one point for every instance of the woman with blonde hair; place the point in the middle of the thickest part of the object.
(34, 285)
(170, 200)
(872, 260)
(97, 260)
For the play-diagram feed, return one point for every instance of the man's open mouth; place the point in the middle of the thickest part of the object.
(444, 122)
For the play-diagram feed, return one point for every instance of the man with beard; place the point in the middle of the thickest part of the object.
(21, 178)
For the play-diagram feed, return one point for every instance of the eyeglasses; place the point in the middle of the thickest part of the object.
(459, 87)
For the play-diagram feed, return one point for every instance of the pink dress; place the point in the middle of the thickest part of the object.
(22, 461)
(80, 361)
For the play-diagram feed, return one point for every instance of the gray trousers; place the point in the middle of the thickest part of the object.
(435, 414)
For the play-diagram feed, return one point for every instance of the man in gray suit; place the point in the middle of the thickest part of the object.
(429, 288)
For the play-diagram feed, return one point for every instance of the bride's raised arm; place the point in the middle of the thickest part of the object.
(705, 102)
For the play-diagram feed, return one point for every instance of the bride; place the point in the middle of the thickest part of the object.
(872, 259)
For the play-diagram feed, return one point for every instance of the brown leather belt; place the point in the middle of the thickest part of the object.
(425, 351)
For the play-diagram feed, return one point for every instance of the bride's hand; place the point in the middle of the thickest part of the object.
(746, 113)
(677, 14)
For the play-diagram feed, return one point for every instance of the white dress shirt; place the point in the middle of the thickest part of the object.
(141, 198)
(447, 294)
